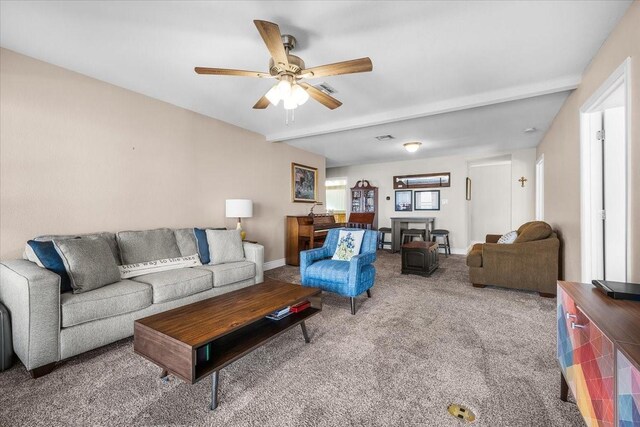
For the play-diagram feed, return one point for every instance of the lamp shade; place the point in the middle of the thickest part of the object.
(239, 208)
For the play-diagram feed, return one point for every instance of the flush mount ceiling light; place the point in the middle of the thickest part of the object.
(530, 130)
(412, 147)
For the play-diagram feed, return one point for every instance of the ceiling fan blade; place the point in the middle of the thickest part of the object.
(262, 103)
(227, 72)
(324, 99)
(270, 33)
(361, 65)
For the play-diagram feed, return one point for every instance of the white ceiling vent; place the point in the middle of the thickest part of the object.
(385, 137)
(326, 88)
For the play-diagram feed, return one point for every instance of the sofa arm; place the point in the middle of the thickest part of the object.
(493, 238)
(309, 257)
(32, 296)
(255, 253)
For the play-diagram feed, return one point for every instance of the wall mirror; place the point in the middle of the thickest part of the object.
(425, 180)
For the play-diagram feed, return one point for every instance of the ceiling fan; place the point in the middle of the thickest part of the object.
(289, 70)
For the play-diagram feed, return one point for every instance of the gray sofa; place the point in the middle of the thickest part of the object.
(49, 326)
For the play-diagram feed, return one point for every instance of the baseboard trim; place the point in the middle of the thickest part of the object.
(270, 265)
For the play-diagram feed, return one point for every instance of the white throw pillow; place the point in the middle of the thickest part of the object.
(134, 270)
(225, 246)
(508, 238)
(349, 243)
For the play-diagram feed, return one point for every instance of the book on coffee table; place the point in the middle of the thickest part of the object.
(279, 314)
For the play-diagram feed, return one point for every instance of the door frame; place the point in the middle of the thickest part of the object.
(621, 76)
(540, 188)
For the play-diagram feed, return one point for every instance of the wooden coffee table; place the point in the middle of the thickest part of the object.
(234, 323)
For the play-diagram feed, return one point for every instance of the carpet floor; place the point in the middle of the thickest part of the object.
(416, 346)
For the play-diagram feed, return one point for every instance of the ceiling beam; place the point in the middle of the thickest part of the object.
(439, 107)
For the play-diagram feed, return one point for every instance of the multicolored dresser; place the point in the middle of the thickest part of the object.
(599, 354)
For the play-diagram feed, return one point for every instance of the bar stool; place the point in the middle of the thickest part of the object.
(411, 234)
(382, 233)
(444, 235)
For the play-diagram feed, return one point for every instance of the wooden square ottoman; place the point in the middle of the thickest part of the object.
(419, 257)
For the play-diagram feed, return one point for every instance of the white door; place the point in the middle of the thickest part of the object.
(608, 195)
(614, 159)
(490, 205)
(604, 133)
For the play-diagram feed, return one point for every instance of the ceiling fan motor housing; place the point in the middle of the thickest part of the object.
(296, 64)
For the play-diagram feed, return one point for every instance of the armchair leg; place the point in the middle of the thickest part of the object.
(353, 305)
(478, 285)
(369, 293)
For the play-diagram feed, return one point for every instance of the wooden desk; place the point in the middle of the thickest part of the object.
(402, 223)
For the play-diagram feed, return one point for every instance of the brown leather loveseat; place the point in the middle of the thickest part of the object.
(529, 263)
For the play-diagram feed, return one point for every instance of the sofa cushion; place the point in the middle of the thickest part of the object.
(147, 245)
(474, 257)
(186, 240)
(525, 225)
(45, 255)
(174, 284)
(109, 237)
(111, 300)
(537, 230)
(329, 271)
(227, 274)
(225, 246)
(508, 238)
(89, 263)
(203, 244)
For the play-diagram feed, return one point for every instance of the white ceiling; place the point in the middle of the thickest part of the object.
(476, 131)
(429, 58)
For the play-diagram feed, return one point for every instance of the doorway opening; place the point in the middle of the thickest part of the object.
(540, 189)
(336, 189)
(604, 139)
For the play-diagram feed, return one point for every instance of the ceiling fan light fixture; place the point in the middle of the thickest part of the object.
(299, 95)
(273, 96)
(290, 103)
(284, 88)
(412, 147)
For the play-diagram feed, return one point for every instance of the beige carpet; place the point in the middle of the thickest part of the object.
(418, 345)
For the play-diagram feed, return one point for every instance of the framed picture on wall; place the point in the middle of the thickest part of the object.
(428, 200)
(403, 201)
(304, 183)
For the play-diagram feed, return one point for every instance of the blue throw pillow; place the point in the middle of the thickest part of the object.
(203, 245)
(50, 259)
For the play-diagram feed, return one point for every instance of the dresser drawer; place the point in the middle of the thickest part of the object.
(586, 358)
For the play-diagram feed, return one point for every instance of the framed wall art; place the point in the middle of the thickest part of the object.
(427, 200)
(425, 180)
(304, 183)
(403, 201)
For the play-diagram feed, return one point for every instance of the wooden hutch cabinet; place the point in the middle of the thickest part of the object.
(364, 198)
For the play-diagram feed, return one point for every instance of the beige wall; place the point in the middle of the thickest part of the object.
(561, 147)
(453, 214)
(80, 155)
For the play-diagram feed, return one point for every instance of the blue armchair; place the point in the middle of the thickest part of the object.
(347, 278)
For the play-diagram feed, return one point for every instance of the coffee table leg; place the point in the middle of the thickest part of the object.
(214, 390)
(304, 332)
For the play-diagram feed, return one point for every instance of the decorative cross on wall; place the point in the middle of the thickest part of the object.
(522, 180)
